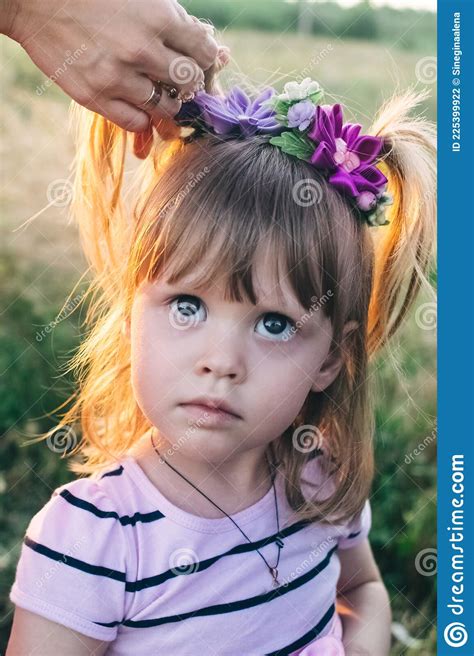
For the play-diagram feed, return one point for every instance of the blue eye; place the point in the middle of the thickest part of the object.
(279, 326)
(185, 309)
(185, 313)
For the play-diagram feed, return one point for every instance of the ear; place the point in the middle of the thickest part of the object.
(332, 365)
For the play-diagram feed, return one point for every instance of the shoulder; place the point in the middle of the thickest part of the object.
(77, 508)
(74, 558)
(316, 478)
(357, 530)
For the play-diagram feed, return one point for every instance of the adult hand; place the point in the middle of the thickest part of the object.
(105, 53)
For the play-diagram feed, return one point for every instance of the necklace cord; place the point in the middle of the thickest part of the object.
(272, 476)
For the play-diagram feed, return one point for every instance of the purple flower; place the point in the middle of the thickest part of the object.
(301, 115)
(347, 154)
(238, 112)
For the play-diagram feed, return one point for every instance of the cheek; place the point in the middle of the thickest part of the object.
(284, 398)
(151, 356)
(283, 380)
(291, 365)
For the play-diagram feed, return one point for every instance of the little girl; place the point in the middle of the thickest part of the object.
(270, 251)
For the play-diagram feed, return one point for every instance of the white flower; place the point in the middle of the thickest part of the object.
(299, 90)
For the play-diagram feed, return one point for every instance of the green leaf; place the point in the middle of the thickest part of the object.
(316, 96)
(295, 144)
(282, 106)
(279, 106)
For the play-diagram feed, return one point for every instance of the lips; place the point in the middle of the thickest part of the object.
(213, 404)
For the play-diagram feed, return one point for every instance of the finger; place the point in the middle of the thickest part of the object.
(173, 68)
(205, 23)
(137, 89)
(167, 108)
(123, 114)
(143, 142)
(184, 72)
(189, 36)
(223, 57)
(211, 76)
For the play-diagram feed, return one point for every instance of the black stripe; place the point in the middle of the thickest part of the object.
(74, 562)
(305, 640)
(353, 535)
(115, 472)
(230, 607)
(110, 624)
(104, 514)
(308, 637)
(145, 583)
(193, 568)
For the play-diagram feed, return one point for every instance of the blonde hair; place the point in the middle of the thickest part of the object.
(232, 194)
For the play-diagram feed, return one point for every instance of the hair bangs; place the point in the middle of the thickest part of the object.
(247, 197)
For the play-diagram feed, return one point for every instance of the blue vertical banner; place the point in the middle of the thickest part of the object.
(455, 328)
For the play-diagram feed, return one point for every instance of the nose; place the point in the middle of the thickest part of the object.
(223, 358)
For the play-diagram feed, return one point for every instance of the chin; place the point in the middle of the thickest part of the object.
(201, 443)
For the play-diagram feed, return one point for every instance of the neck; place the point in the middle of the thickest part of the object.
(234, 484)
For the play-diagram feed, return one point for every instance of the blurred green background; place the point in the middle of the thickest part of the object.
(360, 55)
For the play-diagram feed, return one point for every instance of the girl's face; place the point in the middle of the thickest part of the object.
(188, 343)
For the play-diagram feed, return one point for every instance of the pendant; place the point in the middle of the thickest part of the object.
(274, 573)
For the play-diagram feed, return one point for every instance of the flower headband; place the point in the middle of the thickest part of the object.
(301, 127)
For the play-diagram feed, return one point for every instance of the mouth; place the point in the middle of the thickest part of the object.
(214, 408)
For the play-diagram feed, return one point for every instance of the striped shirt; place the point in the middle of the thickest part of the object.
(113, 558)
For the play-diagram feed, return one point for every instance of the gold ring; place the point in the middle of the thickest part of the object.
(154, 98)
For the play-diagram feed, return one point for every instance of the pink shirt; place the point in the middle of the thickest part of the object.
(112, 558)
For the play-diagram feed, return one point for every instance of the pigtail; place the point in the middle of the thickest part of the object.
(403, 248)
(97, 205)
(101, 149)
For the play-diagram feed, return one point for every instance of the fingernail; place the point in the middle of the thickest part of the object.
(187, 97)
